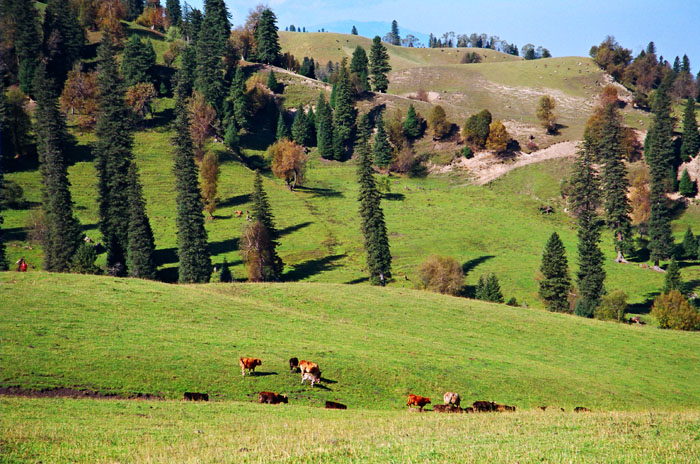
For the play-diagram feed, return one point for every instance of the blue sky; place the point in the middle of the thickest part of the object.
(564, 27)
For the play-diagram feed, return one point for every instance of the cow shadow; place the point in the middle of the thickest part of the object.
(322, 387)
(325, 380)
(263, 374)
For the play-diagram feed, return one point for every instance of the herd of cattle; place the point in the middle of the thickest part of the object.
(310, 371)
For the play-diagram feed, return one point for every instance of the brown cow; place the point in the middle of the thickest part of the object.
(309, 371)
(293, 364)
(271, 398)
(484, 406)
(581, 409)
(249, 363)
(419, 401)
(448, 408)
(468, 410)
(504, 408)
(451, 398)
(313, 377)
(307, 366)
(194, 396)
(334, 405)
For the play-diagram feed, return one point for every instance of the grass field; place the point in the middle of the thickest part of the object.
(87, 431)
(374, 346)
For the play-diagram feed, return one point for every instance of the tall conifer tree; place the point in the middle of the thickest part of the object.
(237, 103)
(372, 220)
(411, 125)
(267, 39)
(299, 126)
(379, 66)
(209, 80)
(691, 137)
(585, 200)
(382, 149)
(64, 38)
(63, 231)
(114, 155)
(138, 61)
(324, 128)
(27, 45)
(192, 249)
(174, 10)
(263, 213)
(659, 154)
(344, 114)
(556, 283)
(282, 129)
(133, 8)
(216, 19)
(141, 248)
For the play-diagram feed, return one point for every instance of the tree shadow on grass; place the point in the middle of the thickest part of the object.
(165, 256)
(311, 267)
(394, 196)
(12, 234)
(321, 192)
(643, 307)
(224, 246)
(473, 263)
(236, 200)
(294, 228)
(357, 281)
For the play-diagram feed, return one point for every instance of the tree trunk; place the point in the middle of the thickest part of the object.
(621, 258)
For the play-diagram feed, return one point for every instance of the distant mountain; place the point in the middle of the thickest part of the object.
(367, 29)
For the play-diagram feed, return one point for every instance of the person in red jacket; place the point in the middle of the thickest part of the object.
(21, 265)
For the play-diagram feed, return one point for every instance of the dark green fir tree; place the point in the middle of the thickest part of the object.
(412, 125)
(282, 129)
(379, 66)
(216, 20)
(690, 244)
(359, 67)
(187, 73)
(192, 248)
(237, 103)
(493, 289)
(555, 284)
(263, 212)
(686, 186)
(64, 39)
(585, 199)
(141, 249)
(27, 42)
(382, 149)
(372, 219)
(138, 61)
(209, 74)
(324, 128)
(673, 280)
(134, 8)
(272, 83)
(354, 30)
(267, 38)
(174, 10)
(344, 115)
(114, 156)
(63, 232)
(299, 126)
(310, 126)
(691, 136)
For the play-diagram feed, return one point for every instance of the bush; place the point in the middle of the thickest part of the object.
(441, 274)
(476, 129)
(673, 311)
(437, 121)
(36, 226)
(84, 260)
(467, 152)
(472, 57)
(489, 289)
(612, 307)
(11, 195)
(512, 302)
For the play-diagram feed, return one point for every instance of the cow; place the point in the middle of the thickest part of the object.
(484, 406)
(293, 364)
(249, 364)
(448, 408)
(194, 396)
(239, 213)
(419, 401)
(307, 366)
(313, 377)
(334, 405)
(451, 398)
(271, 398)
(504, 408)
(468, 410)
(581, 409)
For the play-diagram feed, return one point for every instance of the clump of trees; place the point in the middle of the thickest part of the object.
(612, 307)
(673, 311)
(489, 289)
(476, 129)
(442, 274)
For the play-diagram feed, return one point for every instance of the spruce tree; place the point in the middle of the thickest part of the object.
(324, 128)
(659, 155)
(138, 61)
(267, 38)
(334, 92)
(237, 103)
(141, 248)
(395, 36)
(174, 11)
(686, 186)
(134, 8)
(411, 125)
(282, 129)
(27, 46)
(690, 137)
(379, 66)
(364, 130)
(299, 126)
(372, 219)
(480, 292)
(344, 115)
(610, 152)
(225, 273)
(359, 66)
(556, 283)
(690, 244)
(272, 83)
(216, 20)
(585, 200)
(310, 128)
(382, 149)
(263, 213)
(493, 289)
(673, 279)
(63, 231)
(192, 249)
(64, 38)
(354, 30)
(209, 80)
(114, 156)
(187, 73)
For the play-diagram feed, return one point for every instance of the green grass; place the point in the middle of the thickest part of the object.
(374, 345)
(68, 431)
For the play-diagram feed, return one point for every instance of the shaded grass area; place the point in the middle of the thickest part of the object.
(374, 345)
(62, 431)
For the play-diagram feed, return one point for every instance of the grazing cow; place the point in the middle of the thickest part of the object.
(313, 377)
(249, 363)
(194, 396)
(307, 366)
(293, 364)
(239, 213)
(334, 405)
(419, 401)
(542, 408)
(451, 398)
(505, 408)
(468, 410)
(581, 409)
(271, 398)
(484, 406)
(448, 408)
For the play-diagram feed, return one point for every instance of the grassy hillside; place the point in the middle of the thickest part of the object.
(69, 431)
(374, 345)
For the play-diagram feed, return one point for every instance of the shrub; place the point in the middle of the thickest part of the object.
(471, 57)
(612, 307)
(11, 194)
(499, 138)
(437, 121)
(512, 302)
(467, 152)
(405, 161)
(84, 260)
(476, 129)
(442, 274)
(673, 311)
(545, 113)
